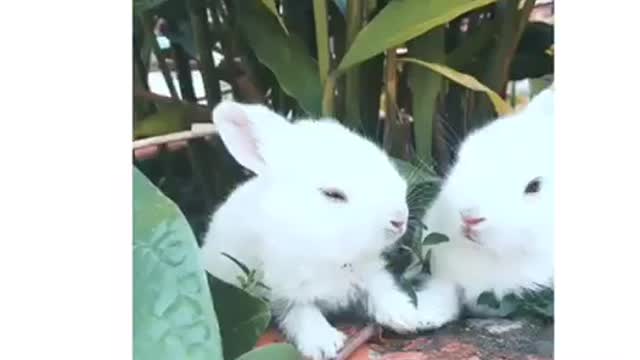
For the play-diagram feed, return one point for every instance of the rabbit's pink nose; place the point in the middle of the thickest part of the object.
(472, 221)
(398, 225)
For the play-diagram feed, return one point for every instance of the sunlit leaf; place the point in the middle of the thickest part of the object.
(402, 20)
(501, 106)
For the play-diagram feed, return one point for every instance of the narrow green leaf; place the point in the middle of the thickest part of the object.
(242, 266)
(501, 106)
(402, 20)
(271, 5)
(286, 56)
(426, 264)
(173, 316)
(435, 238)
(273, 352)
(243, 318)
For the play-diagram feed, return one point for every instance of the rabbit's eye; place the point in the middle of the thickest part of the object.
(334, 195)
(533, 186)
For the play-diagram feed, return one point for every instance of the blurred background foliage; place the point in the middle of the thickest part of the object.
(414, 75)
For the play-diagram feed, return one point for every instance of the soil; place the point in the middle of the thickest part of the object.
(469, 339)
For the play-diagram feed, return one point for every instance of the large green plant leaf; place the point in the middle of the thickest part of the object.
(501, 106)
(173, 317)
(285, 55)
(273, 352)
(243, 318)
(402, 20)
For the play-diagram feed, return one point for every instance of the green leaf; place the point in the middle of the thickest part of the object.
(415, 174)
(423, 186)
(271, 5)
(402, 20)
(509, 304)
(173, 317)
(489, 299)
(273, 352)
(435, 238)
(169, 118)
(242, 266)
(286, 56)
(501, 106)
(243, 318)
(426, 264)
(425, 86)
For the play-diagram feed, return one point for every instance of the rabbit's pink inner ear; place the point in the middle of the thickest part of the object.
(239, 136)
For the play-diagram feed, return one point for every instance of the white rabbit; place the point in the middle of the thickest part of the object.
(496, 207)
(324, 204)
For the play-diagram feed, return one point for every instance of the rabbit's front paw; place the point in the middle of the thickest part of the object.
(395, 310)
(321, 342)
(438, 304)
(312, 333)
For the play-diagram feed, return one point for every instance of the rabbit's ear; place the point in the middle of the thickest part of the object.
(248, 131)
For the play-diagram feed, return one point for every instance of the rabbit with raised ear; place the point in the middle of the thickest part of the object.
(314, 221)
(496, 207)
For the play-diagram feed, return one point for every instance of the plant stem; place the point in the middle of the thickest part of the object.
(147, 23)
(322, 38)
(183, 69)
(202, 34)
(328, 95)
(392, 141)
(355, 16)
(391, 84)
(141, 107)
(511, 22)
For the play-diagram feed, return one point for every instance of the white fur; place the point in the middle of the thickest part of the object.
(514, 247)
(315, 254)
